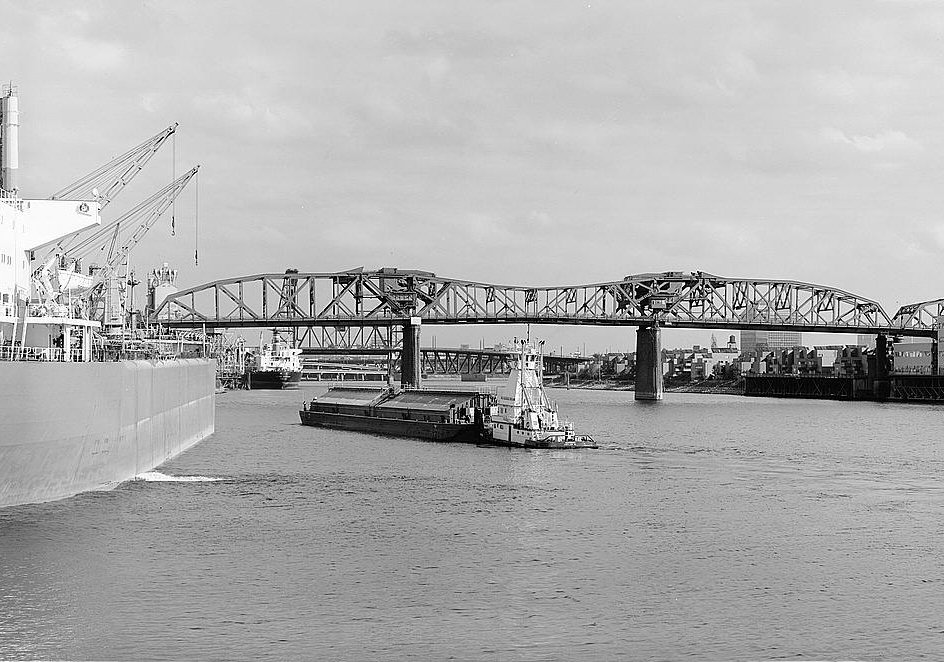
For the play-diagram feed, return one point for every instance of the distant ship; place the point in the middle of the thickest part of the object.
(523, 415)
(76, 412)
(277, 365)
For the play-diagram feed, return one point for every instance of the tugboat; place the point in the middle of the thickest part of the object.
(276, 365)
(524, 416)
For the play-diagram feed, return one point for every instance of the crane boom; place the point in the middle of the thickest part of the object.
(150, 211)
(107, 181)
(90, 294)
(140, 219)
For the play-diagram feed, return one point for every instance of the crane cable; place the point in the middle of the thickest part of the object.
(196, 220)
(173, 170)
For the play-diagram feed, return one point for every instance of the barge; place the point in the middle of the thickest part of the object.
(424, 414)
(521, 416)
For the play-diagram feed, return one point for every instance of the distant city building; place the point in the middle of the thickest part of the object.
(851, 362)
(752, 341)
(914, 356)
(867, 341)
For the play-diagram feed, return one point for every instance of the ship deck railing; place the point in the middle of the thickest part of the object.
(51, 354)
(11, 199)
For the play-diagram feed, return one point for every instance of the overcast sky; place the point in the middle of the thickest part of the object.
(533, 143)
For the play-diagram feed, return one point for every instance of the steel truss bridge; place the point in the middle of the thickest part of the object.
(473, 361)
(362, 309)
(449, 361)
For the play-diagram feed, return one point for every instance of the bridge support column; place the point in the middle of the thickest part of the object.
(649, 363)
(881, 384)
(411, 357)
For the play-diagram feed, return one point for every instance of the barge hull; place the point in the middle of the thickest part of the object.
(90, 426)
(392, 426)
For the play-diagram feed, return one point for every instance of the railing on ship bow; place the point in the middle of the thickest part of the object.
(54, 354)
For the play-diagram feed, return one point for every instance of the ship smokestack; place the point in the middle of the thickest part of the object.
(9, 140)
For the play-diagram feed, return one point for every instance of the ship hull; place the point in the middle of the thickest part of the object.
(75, 427)
(391, 426)
(507, 434)
(276, 379)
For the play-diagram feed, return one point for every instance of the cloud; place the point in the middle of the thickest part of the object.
(84, 52)
(225, 106)
(461, 44)
(735, 71)
(885, 141)
(94, 55)
(732, 136)
(257, 113)
(148, 101)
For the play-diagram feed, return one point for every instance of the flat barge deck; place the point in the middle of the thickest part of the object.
(434, 415)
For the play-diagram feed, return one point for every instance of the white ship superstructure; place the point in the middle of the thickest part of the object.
(274, 365)
(524, 416)
(38, 316)
(74, 417)
(277, 355)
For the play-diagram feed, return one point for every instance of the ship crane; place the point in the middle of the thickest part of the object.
(105, 182)
(121, 236)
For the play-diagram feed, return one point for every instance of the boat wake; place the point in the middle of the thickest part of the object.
(158, 477)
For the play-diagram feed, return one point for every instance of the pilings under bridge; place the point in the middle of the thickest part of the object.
(649, 363)
(411, 356)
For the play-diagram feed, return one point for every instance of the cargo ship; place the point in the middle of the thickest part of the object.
(276, 365)
(82, 407)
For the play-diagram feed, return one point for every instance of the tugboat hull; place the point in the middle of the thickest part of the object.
(505, 434)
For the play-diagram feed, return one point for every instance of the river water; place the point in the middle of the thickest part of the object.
(709, 528)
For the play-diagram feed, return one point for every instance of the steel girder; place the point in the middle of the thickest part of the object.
(391, 296)
(920, 316)
(463, 362)
(348, 337)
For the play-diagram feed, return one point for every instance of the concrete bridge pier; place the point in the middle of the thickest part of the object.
(411, 357)
(881, 384)
(649, 363)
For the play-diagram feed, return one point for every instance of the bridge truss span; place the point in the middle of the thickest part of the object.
(389, 297)
(920, 316)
